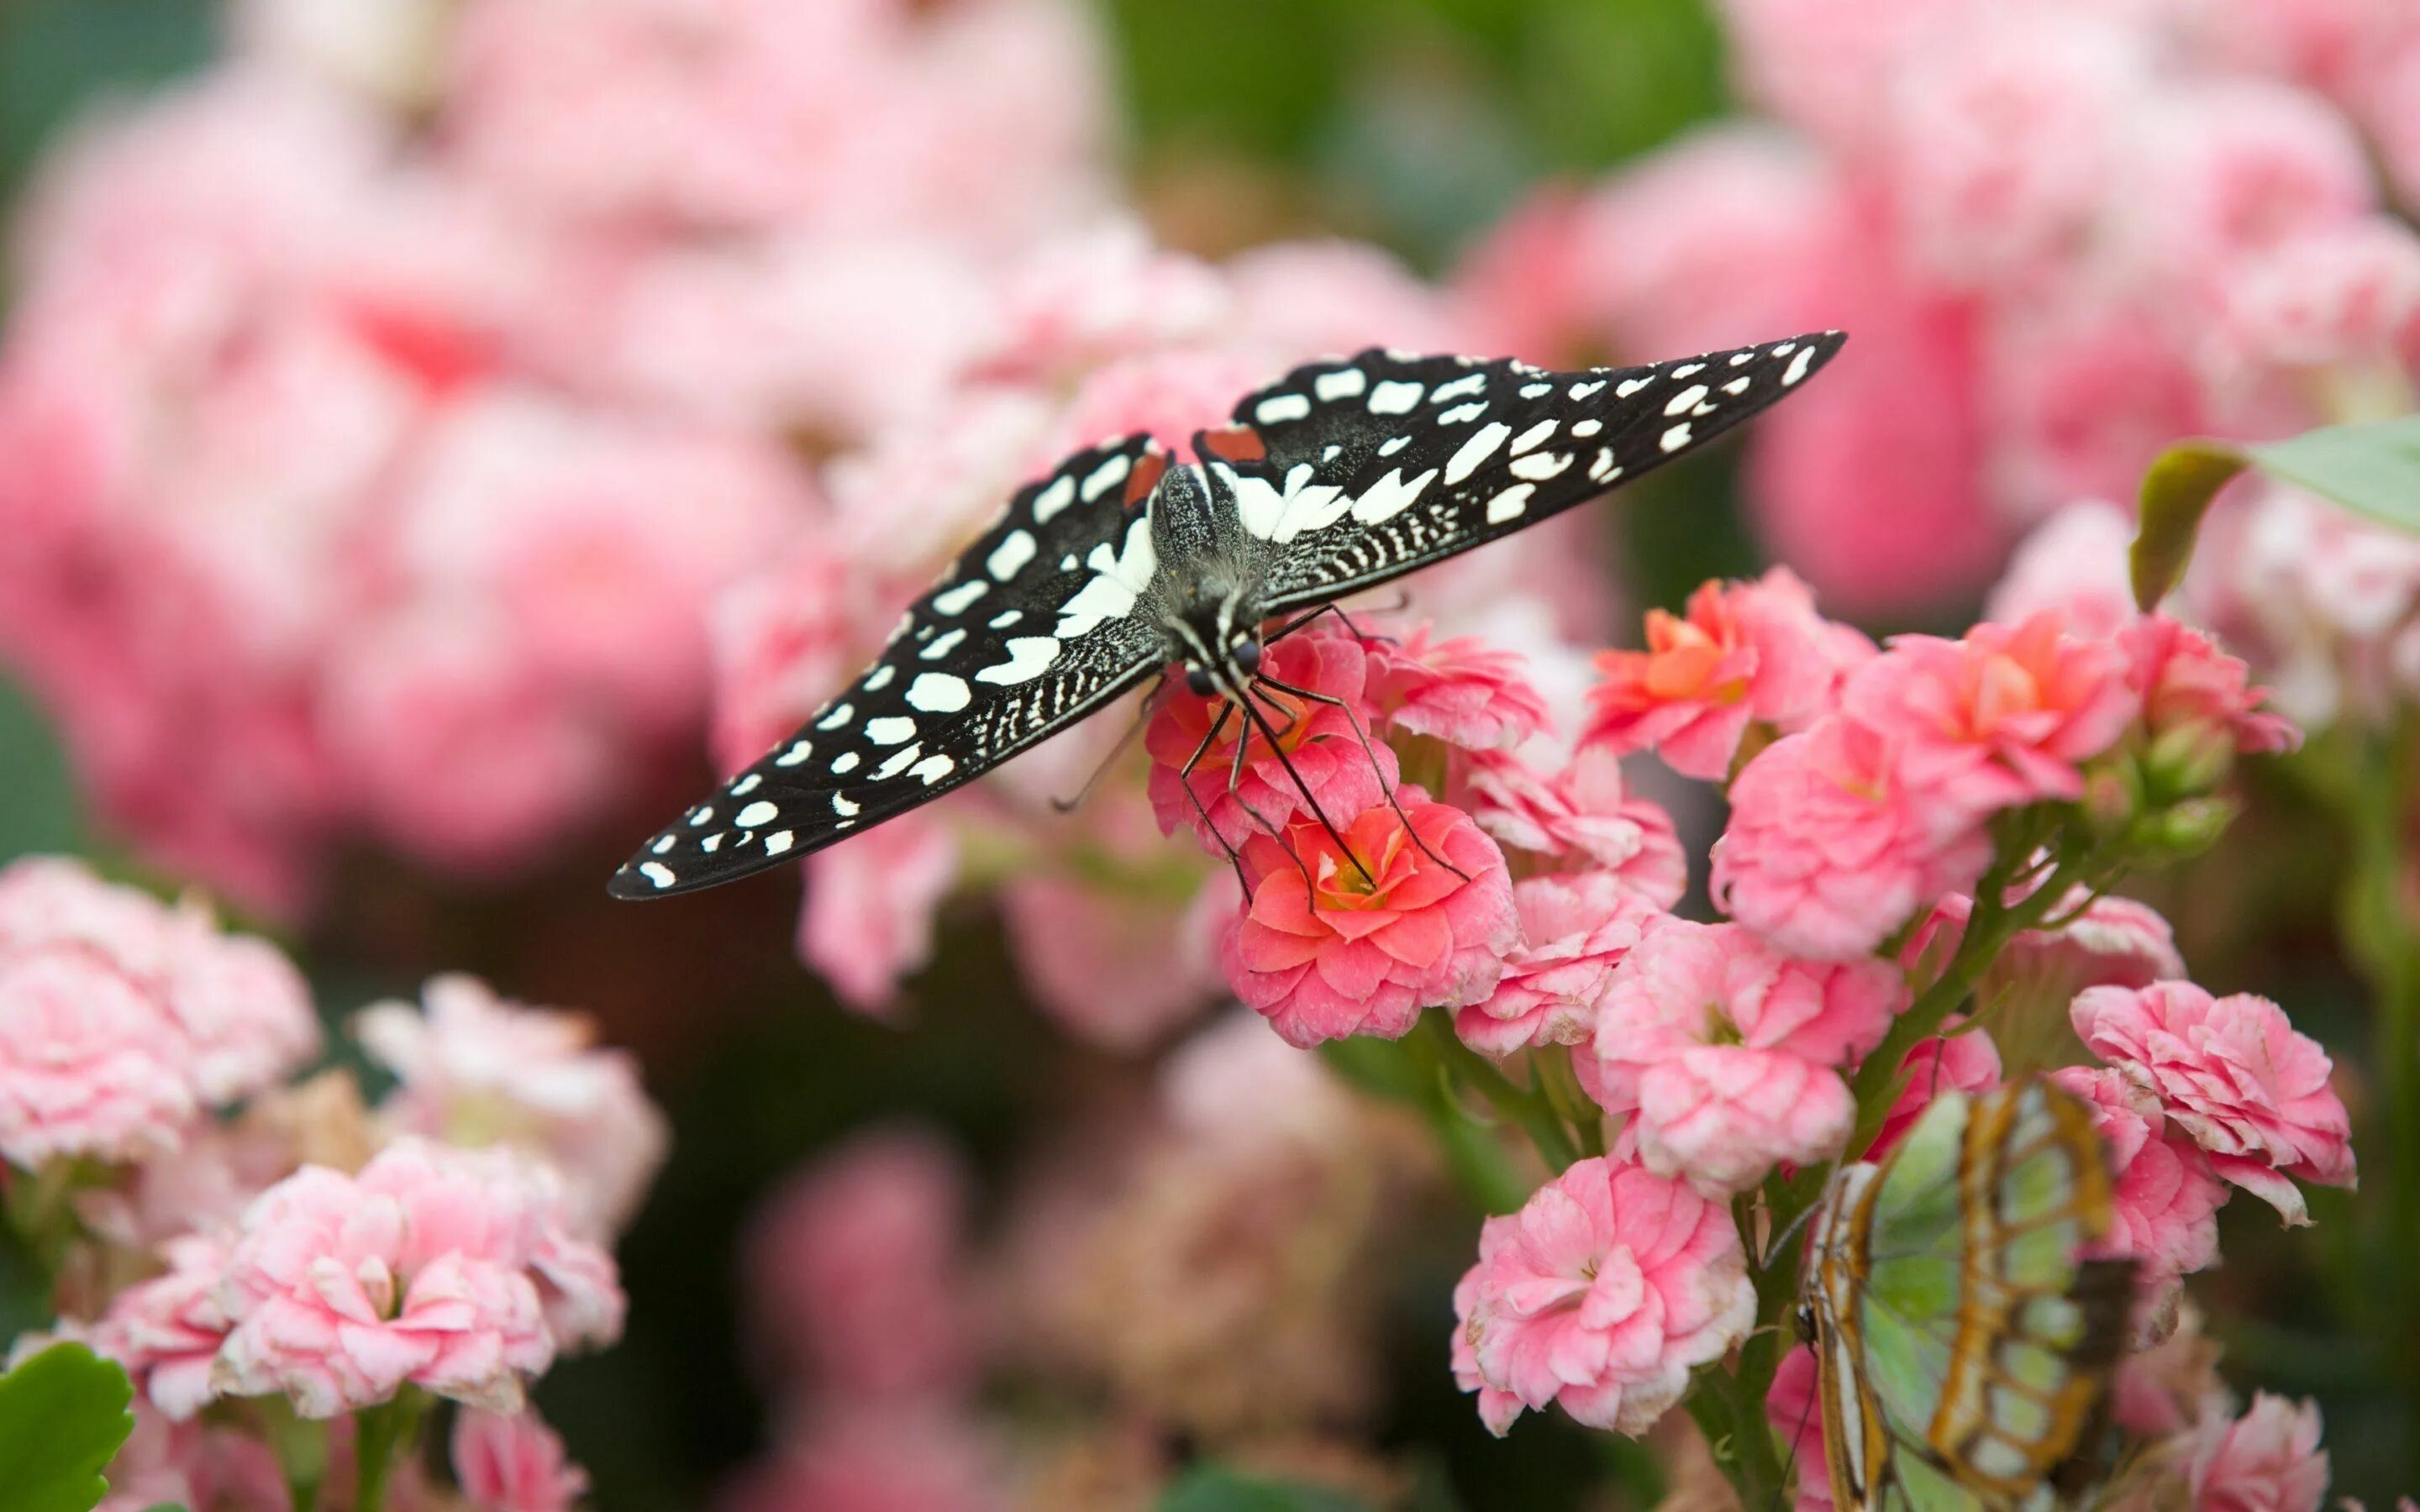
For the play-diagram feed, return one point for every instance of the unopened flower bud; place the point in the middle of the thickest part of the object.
(2188, 760)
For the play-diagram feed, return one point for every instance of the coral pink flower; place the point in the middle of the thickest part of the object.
(1582, 816)
(2186, 681)
(2235, 1076)
(1324, 949)
(1603, 1293)
(2167, 1197)
(1745, 652)
(1794, 1409)
(2001, 718)
(868, 921)
(1827, 851)
(513, 1463)
(166, 1331)
(2267, 1460)
(1725, 1050)
(1462, 692)
(855, 1267)
(1959, 1060)
(478, 1070)
(1345, 775)
(433, 1267)
(2075, 563)
(1575, 928)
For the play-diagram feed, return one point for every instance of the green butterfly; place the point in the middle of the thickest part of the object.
(1960, 1345)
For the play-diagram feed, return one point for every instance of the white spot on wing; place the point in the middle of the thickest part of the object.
(1281, 407)
(1536, 390)
(1463, 413)
(1009, 558)
(890, 730)
(955, 600)
(1106, 477)
(938, 648)
(900, 761)
(1343, 384)
(841, 713)
(1118, 578)
(1006, 618)
(937, 693)
(657, 873)
(1797, 368)
(754, 814)
(1391, 447)
(933, 768)
(1508, 505)
(1743, 359)
(1677, 437)
(746, 785)
(1539, 466)
(664, 845)
(1581, 391)
(711, 843)
(1394, 397)
(1390, 496)
(1029, 658)
(1531, 437)
(1586, 429)
(1050, 500)
(1480, 446)
(842, 806)
(1683, 399)
(878, 679)
(1602, 470)
(780, 840)
(1468, 383)
(1736, 386)
(1627, 387)
(845, 762)
(700, 816)
(797, 752)
(1688, 370)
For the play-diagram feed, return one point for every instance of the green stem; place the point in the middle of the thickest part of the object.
(380, 1434)
(1529, 1108)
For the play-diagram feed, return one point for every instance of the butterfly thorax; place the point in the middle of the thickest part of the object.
(1205, 587)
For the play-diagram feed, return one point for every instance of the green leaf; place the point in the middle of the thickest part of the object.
(2177, 492)
(37, 797)
(2371, 470)
(1217, 1488)
(62, 1413)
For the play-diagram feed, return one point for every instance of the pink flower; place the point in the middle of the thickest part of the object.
(1575, 928)
(1581, 816)
(2187, 683)
(1324, 949)
(2267, 1460)
(1746, 653)
(1960, 1058)
(854, 1270)
(2344, 295)
(877, 1459)
(2075, 563)
(513, 1463)
(2102, 941)
(1725, 1050)
(1095, 954)
(1999, 718)
(478, 1070)
(440, 1268)
(2235, 1076)
(191, 1465)
(868, 921)
(1827, 850)
(1793, 1408)
(1345, 777)
(1462, 692)
(1603, 1293)
(2166, 1196)
(166, 1331)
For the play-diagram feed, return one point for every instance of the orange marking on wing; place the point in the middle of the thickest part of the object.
(1146, 476)
(1236, 443)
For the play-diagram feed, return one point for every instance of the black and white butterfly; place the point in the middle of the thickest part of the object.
(1123, 561)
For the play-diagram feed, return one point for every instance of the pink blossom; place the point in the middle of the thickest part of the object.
(513, 1463)
(2001, 718)
(2235, 1077)
(166, 1331)
(854, 1270)
(2239, 164)
(1575, 928)
(476, 1070)
(1581, 816)
(1726, 1050)
(2166, 1196)
(785, 638)
(1462, 692)
(1960, 1058)
(1827, 850)
(191, 1465)
(2098, 941)
(2089, 394)
(878, 1460)
(2343, 295)
(1326, 949)
(1793, 1406)
(1300, 298)
(1324, 744)
(88, 1063)
(868, 922)
(2075, 563)
(1169, 394)
(2186, 682)
(2267, 1460)
(1603, 1293)
(1746, 653)
(1093, 296)
(1093, 954)
(433, 1267)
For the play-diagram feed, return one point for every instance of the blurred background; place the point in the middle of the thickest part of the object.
(438, 436)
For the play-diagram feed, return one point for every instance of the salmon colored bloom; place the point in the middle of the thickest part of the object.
(1463, 691)
(1336, 943)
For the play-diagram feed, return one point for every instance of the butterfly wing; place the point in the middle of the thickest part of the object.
(1374, 466)
(1027, 635)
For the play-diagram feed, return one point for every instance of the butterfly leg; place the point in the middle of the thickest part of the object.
(1367, 749)
(1402, 601)
(1260, 722)
(1126, 743)
(1184, 781)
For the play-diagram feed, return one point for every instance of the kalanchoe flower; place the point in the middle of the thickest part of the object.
(166, 1331)
(1575, 928)
(476, 1070)
(1827, 851)
(2267, 1460)
(1607, 1288)
(2167, 1196)
(2200, 706)
(2235, 1076)
(1320, 740)
(1725, 1051)
(1796, 1412)
(513, 1462)
(1582, 816)
(1462, 692)
(2075, 563)
(1745, 652)
(2095, 942)
(1957, 1059)
(1324, 949)
(868, 921)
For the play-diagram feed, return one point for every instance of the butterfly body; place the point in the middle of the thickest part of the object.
(1961, 1346)
(1123, 561)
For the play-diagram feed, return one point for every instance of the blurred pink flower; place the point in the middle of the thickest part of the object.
(2073, 563)
(1324, 742)
(1094, 956)
(1463, 691)
(1726, 1050)
(1575, 928)
(2167, 1197)
(2238, 165)
(1092, 294)
(1746, 653)
(513, 1463)
(856, 1268)
(2187, 683)
(1960, 1058)
(2346, 296)
(207, 1468)
(1603, 1293)
(2002, 718)
(1325, 950)
(1792, 1406)
(868, 922)
(1296, 300)
(1169, 394)
(1827, 851)
(877, 1459)
(2267, 1460)
(433, 1267)
(2089, 394)
(166, 1331)
(475, 1069)
(785, 639)
(2235, 1076)
(1581, 817)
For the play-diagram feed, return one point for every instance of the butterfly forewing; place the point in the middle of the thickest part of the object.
(1380, 463)
(1029, 633)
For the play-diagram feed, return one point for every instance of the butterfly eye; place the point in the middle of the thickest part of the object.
(1198, 679)
(1247, 656)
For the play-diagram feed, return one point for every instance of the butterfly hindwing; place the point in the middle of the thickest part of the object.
(1380, 463)
(1027, 634)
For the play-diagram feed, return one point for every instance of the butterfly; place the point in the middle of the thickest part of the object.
(1123, 561)
(1962, 1348)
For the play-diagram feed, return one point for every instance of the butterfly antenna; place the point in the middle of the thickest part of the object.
(1367, 749)
(1126, 743)
(1260, 722)
(1774, 1246)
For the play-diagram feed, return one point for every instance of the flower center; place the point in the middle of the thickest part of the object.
(1719, 1029)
